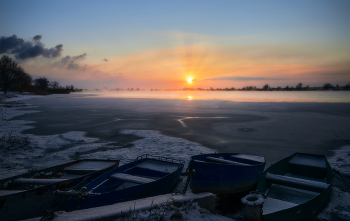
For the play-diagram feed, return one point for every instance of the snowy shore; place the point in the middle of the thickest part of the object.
(20, 153)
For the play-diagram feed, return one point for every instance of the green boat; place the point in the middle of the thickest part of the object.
(297, 187)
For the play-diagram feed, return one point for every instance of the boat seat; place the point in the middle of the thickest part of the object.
(309, 161)
(297, 182)
(309, 166)
(218, 160)
(272, 205)
(160, 166)
(130, 178)
(250, 159)
(37, 181)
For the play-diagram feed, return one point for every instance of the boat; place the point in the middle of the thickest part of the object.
(225, 173)
(144, 177)
(32, 194)
(296, 188)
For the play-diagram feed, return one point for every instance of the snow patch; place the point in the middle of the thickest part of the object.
(338, 207)
(340, 162)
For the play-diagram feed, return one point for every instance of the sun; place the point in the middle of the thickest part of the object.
(189, 80)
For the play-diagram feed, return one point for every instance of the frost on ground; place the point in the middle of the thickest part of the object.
(341, 161)
(171, 211)
(338, 207)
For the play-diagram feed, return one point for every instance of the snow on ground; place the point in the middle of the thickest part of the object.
(340, 162)
(163, 207)
(45, 151)
(338, 207)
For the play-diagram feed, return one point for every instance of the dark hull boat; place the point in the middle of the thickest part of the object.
(32, 194)
(146, 176)
(225, 173)
(297, 187)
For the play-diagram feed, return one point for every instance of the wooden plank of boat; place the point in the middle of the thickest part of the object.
(225, 173)
(297, 187)
(34, 192)
(146, 176)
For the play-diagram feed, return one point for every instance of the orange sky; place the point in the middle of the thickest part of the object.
(210, 66)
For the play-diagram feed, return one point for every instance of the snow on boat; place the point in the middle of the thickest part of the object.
(297, 187)
(146, 176)
(225, 173)
(32, 194)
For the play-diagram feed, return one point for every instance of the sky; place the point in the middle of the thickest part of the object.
(160, 44)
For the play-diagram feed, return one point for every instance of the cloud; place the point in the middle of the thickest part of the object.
(28, 49)
(71, 62)
(244, 79)
(37, 37)
(8, 43)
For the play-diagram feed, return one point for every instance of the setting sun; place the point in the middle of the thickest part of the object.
(189, 80)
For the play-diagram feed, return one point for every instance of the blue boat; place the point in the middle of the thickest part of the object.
(225, 173)
(296, 188)
(146, 176)
(31, 194)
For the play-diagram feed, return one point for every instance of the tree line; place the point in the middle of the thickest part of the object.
(13, 77)
(266, 87)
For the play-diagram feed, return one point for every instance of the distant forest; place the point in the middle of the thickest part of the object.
(14, 78)
(266, 87)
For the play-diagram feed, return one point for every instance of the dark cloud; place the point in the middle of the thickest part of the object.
(53, 52)
(105, 59)
(9, 43)
(37, 37)
(243, 79)
(28, 49)
(71, 62)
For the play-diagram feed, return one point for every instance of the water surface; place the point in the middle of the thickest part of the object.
(237, 96)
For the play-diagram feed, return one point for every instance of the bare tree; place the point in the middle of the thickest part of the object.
(266, 87)
(299, 86)
(8, 75)
(328, 86)
(54, 85)
(41, 83)
(24, 80)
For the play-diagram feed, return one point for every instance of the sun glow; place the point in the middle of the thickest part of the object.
(189, 80)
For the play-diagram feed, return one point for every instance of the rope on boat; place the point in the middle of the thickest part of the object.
(189, 172)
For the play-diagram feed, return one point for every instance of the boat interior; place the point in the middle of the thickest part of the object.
(231, 159)
(40, 178)
(304, 179)
(146, 171)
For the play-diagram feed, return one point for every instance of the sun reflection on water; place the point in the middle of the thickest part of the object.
(236, 96)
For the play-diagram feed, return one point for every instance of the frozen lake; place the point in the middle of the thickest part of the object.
(63, 128)
(238, 96)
